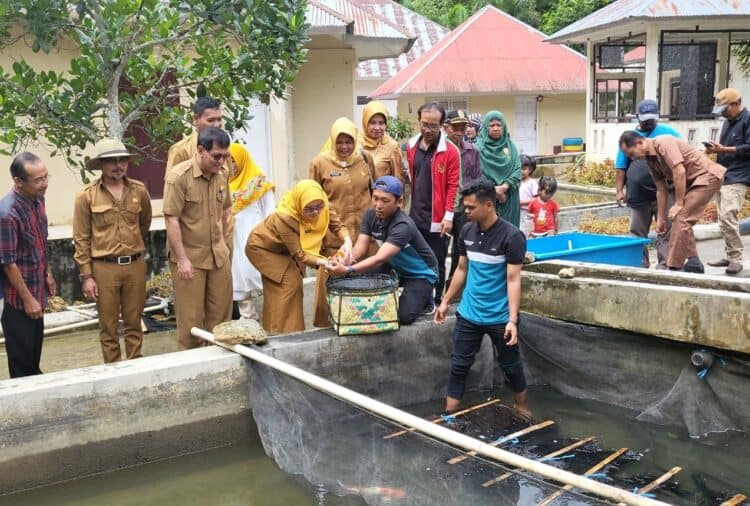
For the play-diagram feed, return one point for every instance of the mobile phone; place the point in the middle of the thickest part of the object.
(708, 144)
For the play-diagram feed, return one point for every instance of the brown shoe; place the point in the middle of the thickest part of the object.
(719, 263)
(734, 267)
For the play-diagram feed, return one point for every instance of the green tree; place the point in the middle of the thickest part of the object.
(566, 12)
(134, 59)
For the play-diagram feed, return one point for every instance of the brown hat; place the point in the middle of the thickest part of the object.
(724, 98)
(106, 148)
(458, 117)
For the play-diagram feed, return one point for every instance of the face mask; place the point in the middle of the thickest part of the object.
(647, 126)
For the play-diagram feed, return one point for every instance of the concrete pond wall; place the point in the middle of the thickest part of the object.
(70, 424)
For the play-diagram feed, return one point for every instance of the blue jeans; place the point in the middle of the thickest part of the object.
(467, 339)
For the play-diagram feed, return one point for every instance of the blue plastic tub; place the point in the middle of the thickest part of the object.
(594, 248)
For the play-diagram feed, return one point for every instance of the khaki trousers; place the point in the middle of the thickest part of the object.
(682, 240)
(203, 301)
(282, 303)
(122, 291)
(730, 200)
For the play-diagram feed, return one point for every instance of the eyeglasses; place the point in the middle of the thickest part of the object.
(313, 209)
(427, 126)
(218, 157)
(36, 182)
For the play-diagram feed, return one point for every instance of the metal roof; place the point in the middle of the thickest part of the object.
(427, 33)
(490, 53)
(322, 19)
(627, 11)
(366, 23)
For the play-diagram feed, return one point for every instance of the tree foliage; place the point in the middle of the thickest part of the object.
(742, 53)
(546, 15)
(133, 61)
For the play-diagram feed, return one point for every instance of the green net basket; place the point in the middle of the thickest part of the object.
(363, 304)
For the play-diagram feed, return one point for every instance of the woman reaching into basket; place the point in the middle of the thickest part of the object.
(345, 172)
(287, 242)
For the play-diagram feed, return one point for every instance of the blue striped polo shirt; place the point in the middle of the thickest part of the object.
(485, 297)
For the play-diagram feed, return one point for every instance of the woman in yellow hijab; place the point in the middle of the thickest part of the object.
(385, 151)
(345, 172)
(252, 201)
(285, 244)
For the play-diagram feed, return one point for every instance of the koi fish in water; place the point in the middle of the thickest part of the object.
(393, 493)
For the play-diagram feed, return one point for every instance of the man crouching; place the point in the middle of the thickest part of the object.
(491, 253)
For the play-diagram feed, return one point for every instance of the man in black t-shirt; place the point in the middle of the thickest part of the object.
(400, 246)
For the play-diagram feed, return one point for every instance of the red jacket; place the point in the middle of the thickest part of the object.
(446, 176)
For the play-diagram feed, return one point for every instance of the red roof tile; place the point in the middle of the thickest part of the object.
(427, 32)
(491, 52)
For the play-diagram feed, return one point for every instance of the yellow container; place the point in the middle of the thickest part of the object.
(364, 304)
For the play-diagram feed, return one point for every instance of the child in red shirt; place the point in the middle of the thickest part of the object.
(543, 209)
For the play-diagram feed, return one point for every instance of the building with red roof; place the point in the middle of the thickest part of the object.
(495, 61)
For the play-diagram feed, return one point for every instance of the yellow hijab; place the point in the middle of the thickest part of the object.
(248, 183)
(311, 233)
(341, 126)
(370, 110)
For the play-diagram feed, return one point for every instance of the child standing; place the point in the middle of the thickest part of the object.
(527, 192)
(543, 209)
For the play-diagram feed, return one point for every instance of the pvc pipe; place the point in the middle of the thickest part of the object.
(90, 323)
(436, 431)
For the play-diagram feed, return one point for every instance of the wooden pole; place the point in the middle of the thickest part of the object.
(659, 481)
(441, 419)
(735, 501)
(552, 455)
(601, 465)
(505, 439)
(435, 431)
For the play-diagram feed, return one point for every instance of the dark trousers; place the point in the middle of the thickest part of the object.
(416, 296)
(439, 246)
(459, 220)
(467, 339)
(23, 341)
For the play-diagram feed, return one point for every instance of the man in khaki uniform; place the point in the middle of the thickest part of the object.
(197, 212)
(111, 220)
(206, 113)
(696, 179)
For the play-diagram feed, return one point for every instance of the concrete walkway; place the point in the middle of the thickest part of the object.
(713, 249)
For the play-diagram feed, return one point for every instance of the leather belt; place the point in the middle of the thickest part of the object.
(121, 260)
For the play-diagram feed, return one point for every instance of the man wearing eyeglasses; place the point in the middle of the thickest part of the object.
(26, 280)
(733, 152)
(197, 212)
(435, 172)
(111, 220)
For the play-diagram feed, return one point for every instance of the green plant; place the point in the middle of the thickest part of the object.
(133, 60)
(592, 173)
(400, 128)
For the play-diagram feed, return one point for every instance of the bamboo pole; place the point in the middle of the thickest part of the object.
(552, 455)
(441, 419)
(505, 439)
(601, 465)
(659, 481)
(435, 431)
(735, 501)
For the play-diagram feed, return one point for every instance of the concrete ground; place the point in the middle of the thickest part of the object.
(713, 249)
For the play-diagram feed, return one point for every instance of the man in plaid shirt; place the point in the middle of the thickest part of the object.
(23, 256)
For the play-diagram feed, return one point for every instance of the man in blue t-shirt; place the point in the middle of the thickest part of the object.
(641, 190)
(491, 253)
(400, 246)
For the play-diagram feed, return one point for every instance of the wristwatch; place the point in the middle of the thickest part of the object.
(84, 277)
(350, 269)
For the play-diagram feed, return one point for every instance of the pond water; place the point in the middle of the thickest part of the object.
(713, 469)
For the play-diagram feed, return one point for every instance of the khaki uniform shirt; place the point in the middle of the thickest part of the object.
(104, 226)
(388, 160)
(348, 190)
(199, 203)
(668, 151)
(275, 244)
